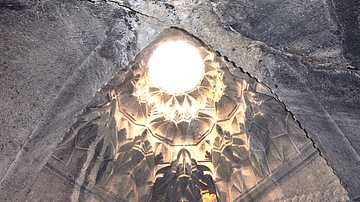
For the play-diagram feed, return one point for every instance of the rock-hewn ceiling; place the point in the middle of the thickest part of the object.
(284, 126)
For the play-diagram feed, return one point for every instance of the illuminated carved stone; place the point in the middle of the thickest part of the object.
(226, 139)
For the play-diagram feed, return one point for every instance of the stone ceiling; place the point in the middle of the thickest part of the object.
(56, 55)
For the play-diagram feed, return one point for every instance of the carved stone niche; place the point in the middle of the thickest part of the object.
(227, 139)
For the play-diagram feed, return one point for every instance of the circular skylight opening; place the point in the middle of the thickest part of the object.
(176, 67)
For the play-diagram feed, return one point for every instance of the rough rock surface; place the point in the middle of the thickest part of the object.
(56, 55)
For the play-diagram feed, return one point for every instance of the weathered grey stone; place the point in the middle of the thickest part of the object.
(56, 55)
(303, 29)
(61, 61)
(347, 14)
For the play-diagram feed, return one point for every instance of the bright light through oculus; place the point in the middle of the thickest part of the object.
(176, 67)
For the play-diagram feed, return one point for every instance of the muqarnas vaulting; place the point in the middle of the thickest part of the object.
(228, 138)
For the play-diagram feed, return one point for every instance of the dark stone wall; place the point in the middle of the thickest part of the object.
(56, 55)
(347, 14)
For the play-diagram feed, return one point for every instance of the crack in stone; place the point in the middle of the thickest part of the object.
(128, 8)
(297, 57)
